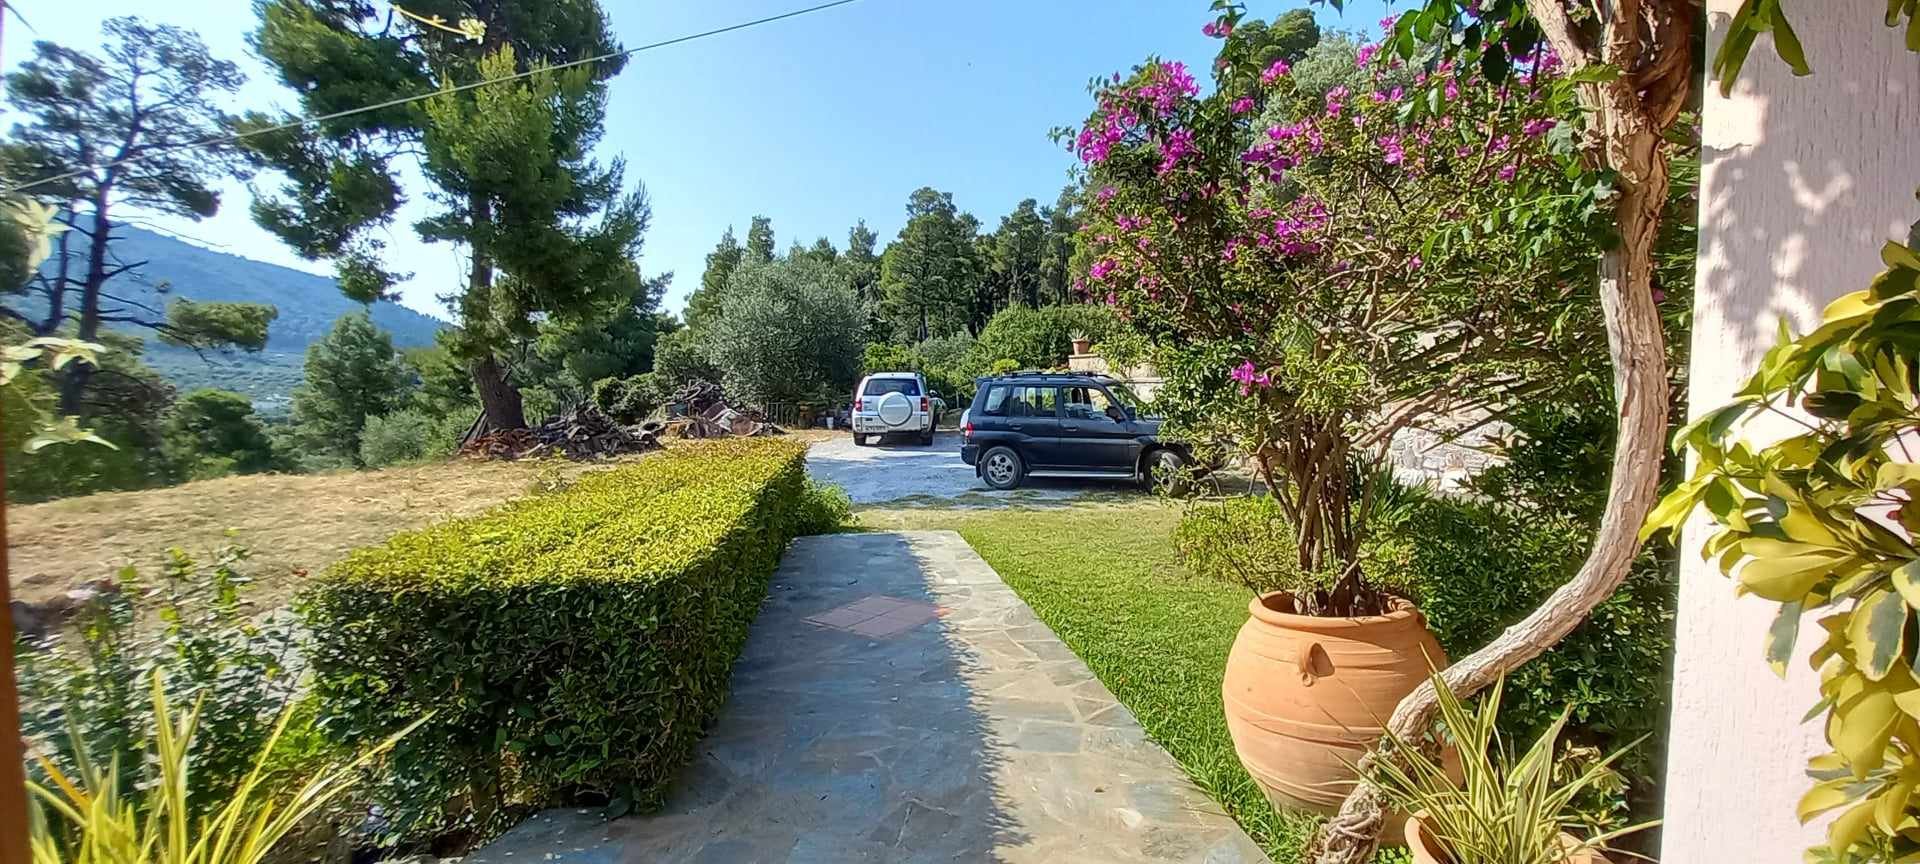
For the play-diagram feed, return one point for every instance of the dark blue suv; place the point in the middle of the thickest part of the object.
(1055, 424)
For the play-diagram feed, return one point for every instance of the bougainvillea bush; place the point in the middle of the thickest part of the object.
(1319, 270)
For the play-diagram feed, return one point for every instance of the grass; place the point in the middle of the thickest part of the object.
(293, 525)
(1106, 578)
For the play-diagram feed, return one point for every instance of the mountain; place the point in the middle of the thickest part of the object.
(308, 306)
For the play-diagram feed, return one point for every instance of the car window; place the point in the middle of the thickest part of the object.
(1031, 401)
(883, 386)
(996, 400)
(1086, 403)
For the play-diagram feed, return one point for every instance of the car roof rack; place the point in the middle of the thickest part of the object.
(1046, 373)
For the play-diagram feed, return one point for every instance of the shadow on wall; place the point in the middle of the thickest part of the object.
(1803, 179)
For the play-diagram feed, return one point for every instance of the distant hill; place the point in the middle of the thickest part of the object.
(308, 306)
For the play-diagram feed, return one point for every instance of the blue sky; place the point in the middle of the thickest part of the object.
(815, 122)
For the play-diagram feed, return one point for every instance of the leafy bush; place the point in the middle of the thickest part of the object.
(190, 626)
(1245, 540)
(210, 433)
(569, 647)
(409, 435)
(1476, 568)
(1041, 338)
(824, 509)
(630, 399)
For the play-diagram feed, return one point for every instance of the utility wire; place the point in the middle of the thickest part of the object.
(391, 103)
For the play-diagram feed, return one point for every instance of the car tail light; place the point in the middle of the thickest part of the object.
(858, 405)
(923, 404)
(967, 429)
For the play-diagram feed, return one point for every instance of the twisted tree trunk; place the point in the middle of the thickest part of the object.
(1626, 121)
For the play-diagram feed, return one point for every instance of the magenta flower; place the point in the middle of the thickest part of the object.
(1218, 29)
(1274, 72)
(1177, 146)
(1243, 104)
(1390, 145)
(1414, 263)
(1453, 89)
(1106, 194)
(1508, 172)
(1249, 378)
(1365, 55)
(1101, 269)
(1386, 24)
(1537, 128)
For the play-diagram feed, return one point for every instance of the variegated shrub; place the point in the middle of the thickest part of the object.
(1823, 521)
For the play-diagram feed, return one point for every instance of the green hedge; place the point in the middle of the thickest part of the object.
(570, 647)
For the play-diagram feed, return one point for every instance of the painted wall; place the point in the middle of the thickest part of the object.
(1803, 180)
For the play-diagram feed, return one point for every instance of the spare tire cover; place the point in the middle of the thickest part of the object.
(896, 409)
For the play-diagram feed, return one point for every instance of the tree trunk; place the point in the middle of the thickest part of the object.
(498, 397)
(1630, 142)
(73, 384)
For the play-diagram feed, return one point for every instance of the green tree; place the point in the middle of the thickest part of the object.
(211, 433)
(760, 240)
(549, 230)
(611, 342)
(929, 273)
(1056, 258)
(790, 333)
(1019, 249)
(721, 262)
(1291, 35)
(351, 374)
(822, 252)
(138, 108)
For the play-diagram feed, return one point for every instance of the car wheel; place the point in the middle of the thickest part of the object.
(1001, 468)
(860, 440)
(1167, 472)
(926, 438)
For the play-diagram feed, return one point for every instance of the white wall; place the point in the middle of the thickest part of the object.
(1803, 180)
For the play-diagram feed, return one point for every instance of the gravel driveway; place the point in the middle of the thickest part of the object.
(934, 475)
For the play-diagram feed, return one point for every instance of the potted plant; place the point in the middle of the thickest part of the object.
(1314, 274)
(1492, 806)
(1082, 345)
(1322, 659)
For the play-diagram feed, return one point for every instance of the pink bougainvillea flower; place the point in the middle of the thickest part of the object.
(1508, 172)
(1537, 128)
(1106, 194)
(1274, 72)
(1243, 104)
(1414, 263)
(1177, 146)
(1394, 153)
(1365, 55)
(1453, 89)
(1101, 269)
(1218, 29)
(1386, 24)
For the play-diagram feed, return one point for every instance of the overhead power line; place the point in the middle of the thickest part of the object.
(392, 103)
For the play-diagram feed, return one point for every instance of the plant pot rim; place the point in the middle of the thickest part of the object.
(1403, 613)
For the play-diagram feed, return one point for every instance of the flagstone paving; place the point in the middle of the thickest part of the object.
(896, 702)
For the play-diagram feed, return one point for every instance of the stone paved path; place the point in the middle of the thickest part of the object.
(898, 703)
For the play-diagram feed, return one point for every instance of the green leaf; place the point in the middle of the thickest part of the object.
(1896, 255)
(1876, 631)
(1786, 43)
(1782, 635)
(1906, 580)
(1494, 64)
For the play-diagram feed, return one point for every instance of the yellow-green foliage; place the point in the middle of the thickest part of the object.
(82, 818)
(1823, 522)
(571, 645)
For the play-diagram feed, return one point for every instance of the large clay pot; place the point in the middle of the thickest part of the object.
(1427, 850)
(1307, 696)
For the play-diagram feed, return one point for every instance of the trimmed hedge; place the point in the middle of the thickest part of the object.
(570, 647)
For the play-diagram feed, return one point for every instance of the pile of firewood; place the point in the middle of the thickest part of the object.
(700, 409)
(697, 397)
(581, 432)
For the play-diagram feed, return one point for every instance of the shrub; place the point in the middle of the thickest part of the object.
(824, 509)
(403, 436)
(1042, 338)
(91, 682)
(569, 646)
(1244, 540)
(630, 399)
(1476, 568)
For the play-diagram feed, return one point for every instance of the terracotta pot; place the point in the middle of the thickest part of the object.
(1081, 346)
(1428, 850)
(1306, 696)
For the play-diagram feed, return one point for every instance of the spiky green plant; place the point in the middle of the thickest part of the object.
(1505, 808)
(85, 819)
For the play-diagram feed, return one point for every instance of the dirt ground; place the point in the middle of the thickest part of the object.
(293, 525)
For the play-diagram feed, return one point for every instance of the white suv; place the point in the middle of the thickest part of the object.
(893, 403)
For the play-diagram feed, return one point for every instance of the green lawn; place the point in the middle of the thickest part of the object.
(1106, 578)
